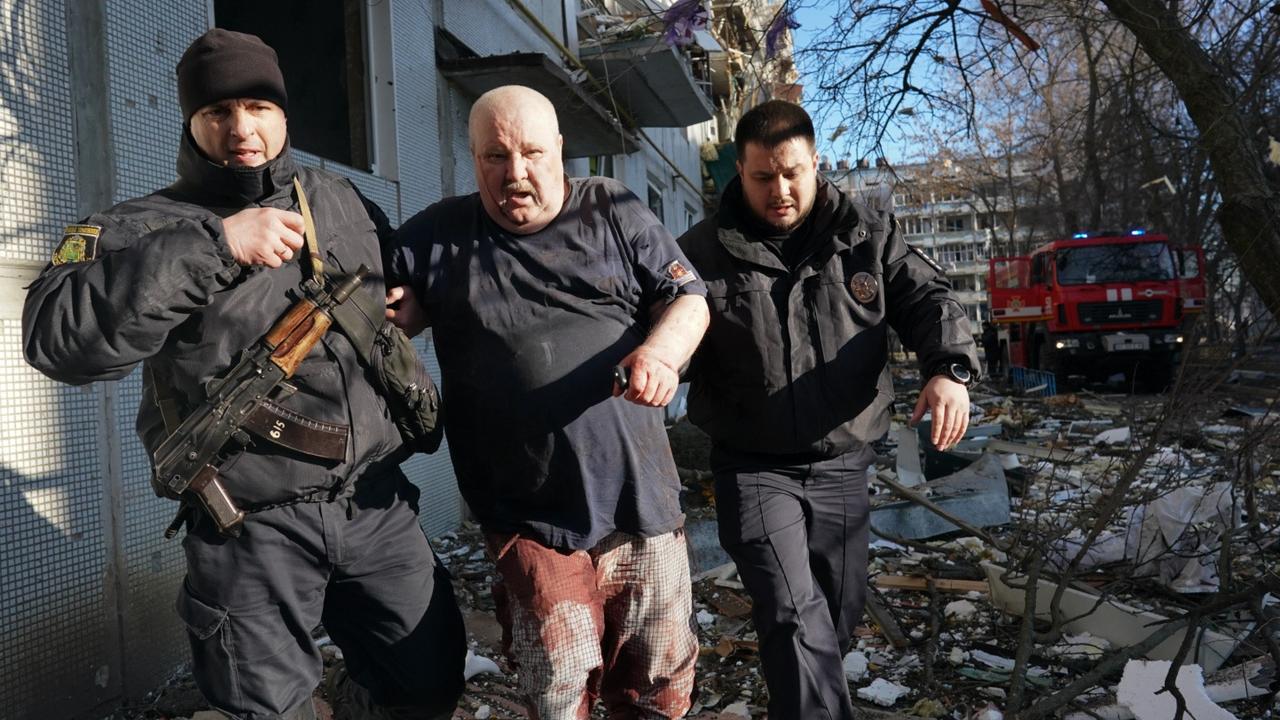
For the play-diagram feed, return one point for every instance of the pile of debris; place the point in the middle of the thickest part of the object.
(1144, 534)
(1130, 513)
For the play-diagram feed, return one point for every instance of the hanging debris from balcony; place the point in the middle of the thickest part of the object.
(682, 20)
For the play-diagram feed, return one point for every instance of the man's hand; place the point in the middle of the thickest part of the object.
(652, 382)
(263, 236)
(404, 311)
(948, 400)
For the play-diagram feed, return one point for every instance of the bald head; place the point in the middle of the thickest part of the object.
(515, 142)
(512, 103)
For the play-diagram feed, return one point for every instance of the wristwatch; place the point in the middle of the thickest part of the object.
(955, 371)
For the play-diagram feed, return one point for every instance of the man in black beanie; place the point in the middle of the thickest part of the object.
(182, 281)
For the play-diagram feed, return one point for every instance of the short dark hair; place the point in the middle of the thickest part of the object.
(771, 123)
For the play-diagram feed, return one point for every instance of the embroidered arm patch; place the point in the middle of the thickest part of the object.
(79, 244)
(677, 273)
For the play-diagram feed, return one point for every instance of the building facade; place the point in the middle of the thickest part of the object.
(961, 212)
(379, 92)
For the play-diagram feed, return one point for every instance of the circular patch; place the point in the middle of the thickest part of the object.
(864, 287)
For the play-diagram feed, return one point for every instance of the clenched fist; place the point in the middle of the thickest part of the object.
(263, 236)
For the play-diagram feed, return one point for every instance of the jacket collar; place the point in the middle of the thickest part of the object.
(832, 216)
(212, 184)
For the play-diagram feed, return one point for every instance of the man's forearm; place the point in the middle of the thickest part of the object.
(678, 327)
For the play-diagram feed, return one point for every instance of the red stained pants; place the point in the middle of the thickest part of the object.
(614, 622)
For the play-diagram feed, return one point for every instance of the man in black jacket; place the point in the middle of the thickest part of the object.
(183, 280)
(792, 384)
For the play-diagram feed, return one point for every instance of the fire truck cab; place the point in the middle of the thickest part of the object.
(1096, 304)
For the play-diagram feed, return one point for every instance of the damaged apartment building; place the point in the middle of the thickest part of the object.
(379, 92)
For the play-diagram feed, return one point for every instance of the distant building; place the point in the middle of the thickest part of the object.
(959, 211)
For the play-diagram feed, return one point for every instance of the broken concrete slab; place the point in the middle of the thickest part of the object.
(1119, 624)
(908, 462)
(1246, 681)
(1115, 436)
(1142, 691)
(1176, 536)
(855, 666)
(978, 494)
(961, 610)
(479, 665)
(883, 692)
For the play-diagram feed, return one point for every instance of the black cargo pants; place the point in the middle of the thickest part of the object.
(362, 566)
(798, 533)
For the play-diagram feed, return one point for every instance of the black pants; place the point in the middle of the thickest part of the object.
(798, 533)
(362, 566)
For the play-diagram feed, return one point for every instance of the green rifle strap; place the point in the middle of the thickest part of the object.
(309, 231)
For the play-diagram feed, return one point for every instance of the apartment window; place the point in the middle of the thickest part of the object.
(953, 223)
(600, 165)
(957, 254)
(655, 202)
(689, 217)
(323, 51)
(917, 226)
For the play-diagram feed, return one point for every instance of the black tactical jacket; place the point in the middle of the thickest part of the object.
(794, 363)
(165, 289)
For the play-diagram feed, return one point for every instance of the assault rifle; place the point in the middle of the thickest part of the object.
(186, 463)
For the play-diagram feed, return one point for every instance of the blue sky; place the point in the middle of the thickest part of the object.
(813, 18)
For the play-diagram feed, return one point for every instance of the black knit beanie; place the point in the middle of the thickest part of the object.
(223, 64)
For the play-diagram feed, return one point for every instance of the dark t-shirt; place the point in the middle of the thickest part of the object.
(528, 329)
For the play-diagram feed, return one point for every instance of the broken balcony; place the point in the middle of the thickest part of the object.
(651, 79)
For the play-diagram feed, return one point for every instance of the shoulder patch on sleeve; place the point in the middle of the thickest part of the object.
(79, 244)
(677, 273)
(928, 260)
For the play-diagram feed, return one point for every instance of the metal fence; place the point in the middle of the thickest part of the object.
(1033, 382)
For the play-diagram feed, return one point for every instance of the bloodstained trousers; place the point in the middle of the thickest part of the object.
(362, 566)
(798, 533)
(614, 622)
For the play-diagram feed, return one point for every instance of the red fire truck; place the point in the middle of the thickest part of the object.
(1096, 304)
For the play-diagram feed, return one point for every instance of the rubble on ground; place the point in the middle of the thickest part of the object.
(941, 633)
(951, 604)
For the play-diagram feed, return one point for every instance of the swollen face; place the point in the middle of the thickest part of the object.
(240, 132)
(519, 170)
(780, 183)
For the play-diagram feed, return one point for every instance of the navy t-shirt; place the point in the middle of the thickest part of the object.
(528, 329)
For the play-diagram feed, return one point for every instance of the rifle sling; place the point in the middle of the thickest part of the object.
(316, 264)
(360, 317)
(297, 432)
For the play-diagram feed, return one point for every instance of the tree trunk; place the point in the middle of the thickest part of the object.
(1092, 164)
(1250, 211)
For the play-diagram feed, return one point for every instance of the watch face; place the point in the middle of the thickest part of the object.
(960, 373)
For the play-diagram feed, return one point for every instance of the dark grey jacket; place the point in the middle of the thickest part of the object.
(165, 289)
(793, 363)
